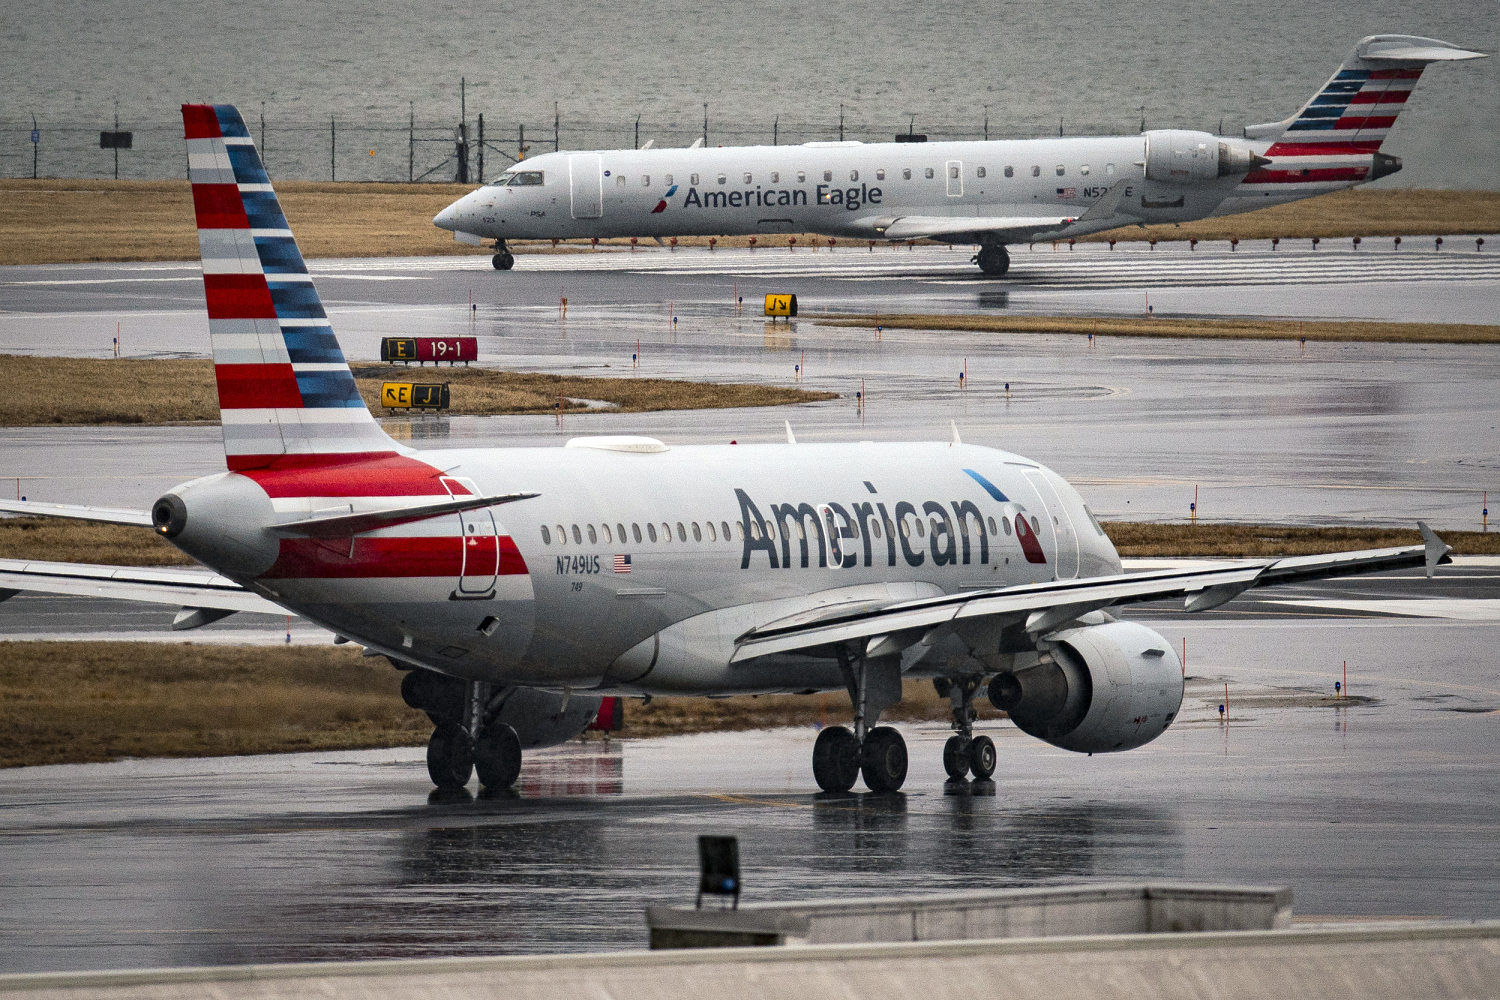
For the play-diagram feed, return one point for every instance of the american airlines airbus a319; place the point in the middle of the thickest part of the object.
(517, 586)
(990, 193)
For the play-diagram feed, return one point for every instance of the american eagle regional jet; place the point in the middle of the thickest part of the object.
(517, 586)
(989, 193)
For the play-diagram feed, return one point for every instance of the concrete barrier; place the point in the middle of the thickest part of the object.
(1006, 913)
(1437, 960)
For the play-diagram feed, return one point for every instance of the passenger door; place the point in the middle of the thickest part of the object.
(586, 185)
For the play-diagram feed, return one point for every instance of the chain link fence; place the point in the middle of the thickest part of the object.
(426, 151)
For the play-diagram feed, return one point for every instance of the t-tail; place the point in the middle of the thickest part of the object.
(1334, 140)
(287, 398)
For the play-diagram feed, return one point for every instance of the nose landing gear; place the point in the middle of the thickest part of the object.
(503, 259)
(965, 753)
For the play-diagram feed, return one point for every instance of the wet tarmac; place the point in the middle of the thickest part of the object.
(1386, 805)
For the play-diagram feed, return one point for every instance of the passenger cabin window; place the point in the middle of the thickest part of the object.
(593, 536)
(725, 526)
(577, 536)
(1010, 171)
(747, 177)
(723, 179)
(667, 180)
(929, 173)
(712, 534)
(880, 174)
(620, 528)
(681, 532)
(1109, 168)
(635, 531)
(980, 171)
(1036, 171)
(562, 535)
(953, 172)
(645, 180)
(801, 176)
(854, 175)
(1061, 170)
(666, 532)
(546, 536)
(604, 530)
(906, 173)
(693, 179)
(651, 531)
(828, 175)
(697, 532)
(775, 177)
(619, 180)
(1084, 170)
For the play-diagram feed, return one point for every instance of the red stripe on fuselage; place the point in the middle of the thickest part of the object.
(443, 556)
(200, 121)
(238, 296)
(1293, 148)
(1310, 174)
(364, 474)
(257, 386)
(218, 206)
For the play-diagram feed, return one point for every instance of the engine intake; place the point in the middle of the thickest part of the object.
(1101, 688)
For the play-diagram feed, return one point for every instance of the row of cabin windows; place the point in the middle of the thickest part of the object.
(713, 531)
(929, 173)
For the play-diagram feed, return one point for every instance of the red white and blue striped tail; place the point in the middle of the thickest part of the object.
(1335, 139)
(286, 395)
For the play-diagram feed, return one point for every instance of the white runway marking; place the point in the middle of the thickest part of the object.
(1094, 268)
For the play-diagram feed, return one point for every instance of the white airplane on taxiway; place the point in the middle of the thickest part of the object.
(989, 193)
(517, 586)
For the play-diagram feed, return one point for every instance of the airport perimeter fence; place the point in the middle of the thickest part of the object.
(348, 149)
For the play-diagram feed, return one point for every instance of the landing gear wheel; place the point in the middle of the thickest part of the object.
(497, 757)
(503, 261)
(836, 759)
(883, 759)
(450, 757)
(982, 757)
(956, 757)
(993, 260)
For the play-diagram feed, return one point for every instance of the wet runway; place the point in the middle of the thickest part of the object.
(1385, 807)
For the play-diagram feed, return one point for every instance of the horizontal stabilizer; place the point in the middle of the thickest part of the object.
(101, 515)
(192, 588)
(344, 525)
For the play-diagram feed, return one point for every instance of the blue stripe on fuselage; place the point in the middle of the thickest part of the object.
(989, 487)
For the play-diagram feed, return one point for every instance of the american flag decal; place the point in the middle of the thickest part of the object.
(1067, 192)
(622, 564)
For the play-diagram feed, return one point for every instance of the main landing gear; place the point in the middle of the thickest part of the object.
(993, 259)
(503, 260)
(965, 753)
(878, 753)
(466, 737)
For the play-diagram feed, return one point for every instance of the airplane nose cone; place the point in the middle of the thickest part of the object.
(449, 217)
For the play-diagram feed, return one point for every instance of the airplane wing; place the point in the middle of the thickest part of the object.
(1043, 607)
(103, 515)
(1009, 229)
(203, 595)
(1021, 228)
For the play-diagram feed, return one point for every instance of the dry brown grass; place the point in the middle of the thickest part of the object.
(93, 701)
(1265, 540)
(668, 716)
(60, 540)
(60, 221)
(97, 391)
(1166, 327)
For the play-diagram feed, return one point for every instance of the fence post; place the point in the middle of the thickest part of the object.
(556, 145)
(480, 178)
(411, 143)
(333, 142)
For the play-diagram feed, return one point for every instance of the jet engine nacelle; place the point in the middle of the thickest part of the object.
(1177, 156)
(1099, 689)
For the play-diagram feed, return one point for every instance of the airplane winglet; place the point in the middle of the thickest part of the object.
(1437, 549)
(790, 437)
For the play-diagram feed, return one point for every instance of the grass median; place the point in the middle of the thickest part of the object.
(94, 391)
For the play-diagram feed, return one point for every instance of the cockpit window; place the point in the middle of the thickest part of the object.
(1094, 520)
(519, 178)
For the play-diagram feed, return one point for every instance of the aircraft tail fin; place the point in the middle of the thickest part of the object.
(1354, 111)
(286, 394)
